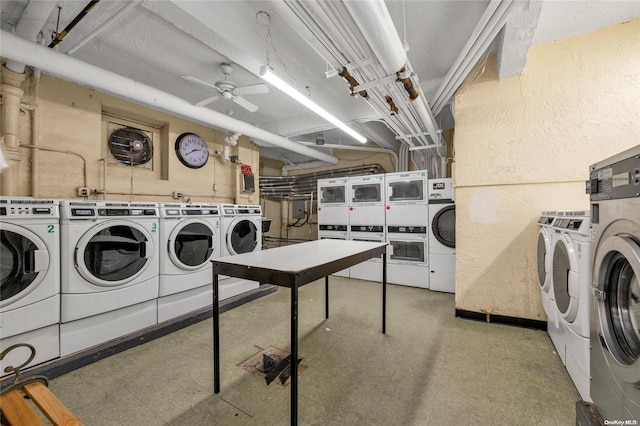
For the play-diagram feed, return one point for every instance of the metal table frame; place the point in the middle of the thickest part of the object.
(294, 266)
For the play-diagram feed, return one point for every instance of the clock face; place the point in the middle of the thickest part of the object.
(192, 151)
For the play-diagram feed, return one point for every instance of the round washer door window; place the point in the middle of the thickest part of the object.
(542, 267)
(565, 275)
(24, 260)
(191, 245)
(243, 237)
(113, 254)
(443, 226)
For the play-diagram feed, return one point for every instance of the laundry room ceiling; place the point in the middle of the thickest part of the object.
(179, 47)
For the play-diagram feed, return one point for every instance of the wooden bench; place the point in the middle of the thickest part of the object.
(16, 410)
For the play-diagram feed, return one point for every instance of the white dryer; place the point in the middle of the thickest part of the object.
(29, 279)
(333, 212)
(109, 275)
(546, 239)
(190, 238)
(571, 279)
(407, 222)
(241, 232)
(367, 221)
(615, 302)
(442, 235)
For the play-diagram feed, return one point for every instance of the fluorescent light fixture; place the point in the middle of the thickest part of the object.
(274, 80)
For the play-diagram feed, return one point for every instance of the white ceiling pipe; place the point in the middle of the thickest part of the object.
(74, 70)
(106, 24)
(357, 148)
(374, 21)
(305, 165)
(34, 17)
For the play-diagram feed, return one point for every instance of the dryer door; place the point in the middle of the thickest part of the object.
(24, 261)
(242, 236)
(192, 244)
(443, 226)
(113, 253)
(616, 276)
(565, 278)
(544, 276)
(409, 190)
(407, 251)
(367, 193)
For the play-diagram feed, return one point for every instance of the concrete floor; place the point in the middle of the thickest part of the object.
(429, 369)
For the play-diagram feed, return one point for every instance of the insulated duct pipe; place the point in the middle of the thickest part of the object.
(74, 70)
(358, 148)
(375, 23)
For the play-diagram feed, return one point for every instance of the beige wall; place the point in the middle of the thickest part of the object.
(524, 145)
(70, 118)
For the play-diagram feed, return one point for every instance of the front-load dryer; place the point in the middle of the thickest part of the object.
(333, 212)
(367, 221)
(109, 271)
(615, 311)
(29, 279)
(407, 222)
(571, 281)
(190, 239)
(442, 235)
(241, 232)
(544, 249)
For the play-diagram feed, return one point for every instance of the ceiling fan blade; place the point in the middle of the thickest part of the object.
(198, 81)
(245, 104)
(207, 101)
(254, 89)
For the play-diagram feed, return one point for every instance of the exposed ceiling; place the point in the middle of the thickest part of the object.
(158, 43)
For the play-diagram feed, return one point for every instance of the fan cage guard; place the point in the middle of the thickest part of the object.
(131, 146)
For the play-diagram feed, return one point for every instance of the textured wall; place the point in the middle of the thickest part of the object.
(70, 118)
(524, 145)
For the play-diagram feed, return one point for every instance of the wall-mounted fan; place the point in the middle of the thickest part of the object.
(131, 146)
(229, 90)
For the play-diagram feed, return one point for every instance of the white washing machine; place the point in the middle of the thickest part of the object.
(367, 221)
(241, 232)
(29, 279)
(615, 312)
(546, 239)
(407, 221)
(442, 235)
(190, 238)
(571, 278)
(333, 211)
(109, 271)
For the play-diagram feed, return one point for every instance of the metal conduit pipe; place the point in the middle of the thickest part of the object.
(61, 151)
(71, 69)
(358, 148)
(455, 76)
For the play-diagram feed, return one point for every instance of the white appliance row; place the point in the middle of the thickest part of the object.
(414, 215)
(75, 274)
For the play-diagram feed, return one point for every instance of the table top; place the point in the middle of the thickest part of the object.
(298, 264)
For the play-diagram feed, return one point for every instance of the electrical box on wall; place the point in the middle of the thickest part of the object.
(298, 209)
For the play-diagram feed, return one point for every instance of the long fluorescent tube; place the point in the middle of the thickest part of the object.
(274, 80)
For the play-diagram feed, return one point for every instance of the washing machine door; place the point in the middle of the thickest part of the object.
(24, 262)
(443, 226)
(544, 276)
(616, 274)
(242, 236)
(113, 253)
(192, 244)
(565, 278)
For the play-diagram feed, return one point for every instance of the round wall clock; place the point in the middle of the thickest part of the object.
(191, 150)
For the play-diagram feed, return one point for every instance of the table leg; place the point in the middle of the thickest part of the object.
(326, 297)
(384, 293)
(216, 335)
(294, 354)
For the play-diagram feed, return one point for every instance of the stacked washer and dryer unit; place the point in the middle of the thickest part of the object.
(407, 222)
(333, 212)
(614, 186)
(109, 271)
(190, 236)
(241, 232)
(30, 280)
(367, 221)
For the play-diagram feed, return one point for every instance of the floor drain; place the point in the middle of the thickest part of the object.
(272, 363)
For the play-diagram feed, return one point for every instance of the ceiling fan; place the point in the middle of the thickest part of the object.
(229, 90)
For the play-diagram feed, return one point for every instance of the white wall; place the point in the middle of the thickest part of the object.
(524, 145)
